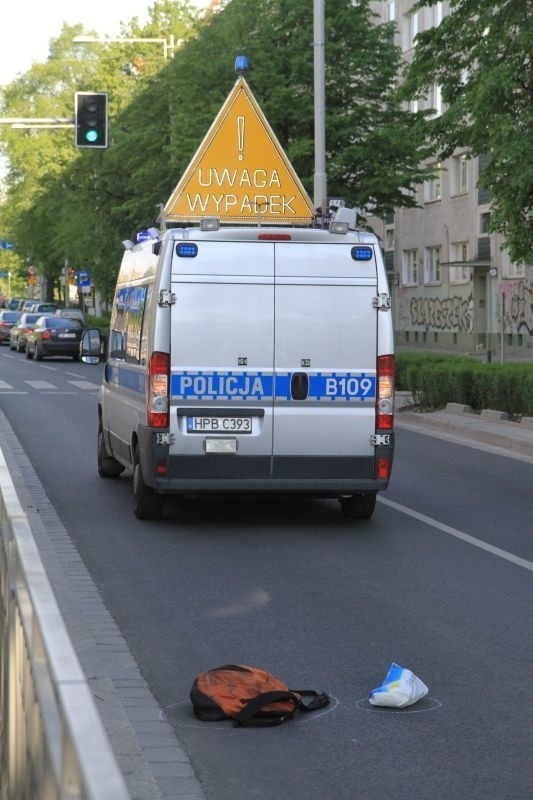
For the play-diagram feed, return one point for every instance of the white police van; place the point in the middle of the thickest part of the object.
(249, 359)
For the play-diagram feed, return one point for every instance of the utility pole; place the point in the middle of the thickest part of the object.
(320, 179)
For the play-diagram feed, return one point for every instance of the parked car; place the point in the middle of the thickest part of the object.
(14, 303)
(44, 308)
(54, 336)
(7, 320)
(19, 332)
(26, 305)
(71, 313)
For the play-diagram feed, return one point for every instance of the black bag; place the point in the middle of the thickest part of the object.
(249, 696)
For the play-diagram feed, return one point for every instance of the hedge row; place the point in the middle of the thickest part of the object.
(435, 380)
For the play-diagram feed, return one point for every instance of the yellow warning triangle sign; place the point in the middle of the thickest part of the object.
(240, 172)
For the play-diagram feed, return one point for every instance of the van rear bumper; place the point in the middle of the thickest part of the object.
(324, 475)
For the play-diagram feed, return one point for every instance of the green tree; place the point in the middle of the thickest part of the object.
(374, 146)
(481, 55)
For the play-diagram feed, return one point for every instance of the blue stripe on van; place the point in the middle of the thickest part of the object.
(126, 378)
(327, 386)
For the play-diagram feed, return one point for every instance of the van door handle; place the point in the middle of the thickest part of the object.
(299, 386)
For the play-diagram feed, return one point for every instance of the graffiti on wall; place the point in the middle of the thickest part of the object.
(518, 306)
(440, 313)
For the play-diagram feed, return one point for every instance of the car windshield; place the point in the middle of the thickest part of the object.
(9, 316)
(29, 319)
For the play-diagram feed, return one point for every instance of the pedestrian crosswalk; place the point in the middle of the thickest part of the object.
(47, 387)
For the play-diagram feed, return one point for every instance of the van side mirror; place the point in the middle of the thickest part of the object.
(92, 346)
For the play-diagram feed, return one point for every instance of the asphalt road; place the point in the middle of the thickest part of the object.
(437, 581)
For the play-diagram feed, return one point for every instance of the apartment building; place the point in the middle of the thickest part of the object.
(454, 287)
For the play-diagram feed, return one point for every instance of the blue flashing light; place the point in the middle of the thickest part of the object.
(362, 253)
(187, 250)
(143, 236)
(241, 65)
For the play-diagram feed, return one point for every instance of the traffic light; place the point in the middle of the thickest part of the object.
(91, 119)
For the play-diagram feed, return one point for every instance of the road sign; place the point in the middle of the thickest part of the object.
(240, 172)
(83, 280)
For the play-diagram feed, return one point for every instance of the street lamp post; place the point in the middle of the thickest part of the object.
(168, 46)
(320, 179)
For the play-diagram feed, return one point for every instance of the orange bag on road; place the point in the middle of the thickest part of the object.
(249, 696)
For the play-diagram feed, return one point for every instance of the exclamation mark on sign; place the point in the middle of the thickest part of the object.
(240, 137)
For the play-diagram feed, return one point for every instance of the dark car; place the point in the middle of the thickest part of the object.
(19, 332)
(54, 336)
(7, 320)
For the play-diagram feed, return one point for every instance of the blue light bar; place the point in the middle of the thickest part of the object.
(143, 236)
(187, 250)
(362, 253)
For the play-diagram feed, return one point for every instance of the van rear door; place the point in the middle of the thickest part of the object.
(325, 361)
(222, 356)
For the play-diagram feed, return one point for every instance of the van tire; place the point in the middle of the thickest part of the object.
(149, 504)
(29, 354)
(358, 506)
(38, 353)
(107, 466)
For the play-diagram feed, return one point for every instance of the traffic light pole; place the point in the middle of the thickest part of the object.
(38, 122)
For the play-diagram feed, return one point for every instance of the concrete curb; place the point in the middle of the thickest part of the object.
(492, 428)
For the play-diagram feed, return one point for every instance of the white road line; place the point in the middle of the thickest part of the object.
(465, 537)
(4, 385)
(84, 384)
(40, 384)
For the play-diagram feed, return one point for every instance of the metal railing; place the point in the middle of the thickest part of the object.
(52, 740)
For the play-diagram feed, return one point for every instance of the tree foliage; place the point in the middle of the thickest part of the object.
(481, 55)
(69, 205)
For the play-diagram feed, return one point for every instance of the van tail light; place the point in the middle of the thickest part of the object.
(46, 335)
(385, 393)
(157, 387)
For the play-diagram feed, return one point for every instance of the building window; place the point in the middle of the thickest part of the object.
(434, 15)
(484, 223)
(434, 100)
(432, 265)
(389, 238)
(410, 30)
(460, 273)
(432, 186)
(510, 270)
(460, 174)
(391, 10)
(410, 267)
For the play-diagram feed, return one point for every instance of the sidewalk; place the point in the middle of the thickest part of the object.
(491, 428)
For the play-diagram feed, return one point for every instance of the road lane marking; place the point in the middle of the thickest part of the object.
(4, 385)
(84, 384)
(40, 384)
(465, 537)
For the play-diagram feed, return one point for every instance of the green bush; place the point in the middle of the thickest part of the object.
(435, 380)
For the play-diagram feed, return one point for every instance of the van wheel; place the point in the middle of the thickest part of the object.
(107, 466)
(29, 354)
(358, 506)
(149, 504)
(38, 353)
